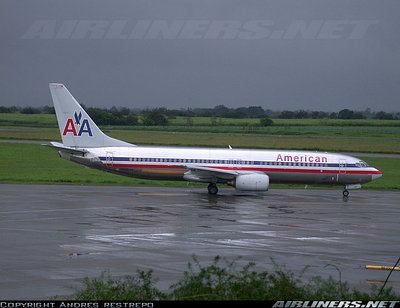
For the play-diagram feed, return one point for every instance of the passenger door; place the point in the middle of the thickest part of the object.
(110, 158)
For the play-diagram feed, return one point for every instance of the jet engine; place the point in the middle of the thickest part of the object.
(252, 181)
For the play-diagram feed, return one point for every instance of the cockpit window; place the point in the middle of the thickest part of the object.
(361, 164)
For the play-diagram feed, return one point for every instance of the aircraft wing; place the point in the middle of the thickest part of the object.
(209, 174)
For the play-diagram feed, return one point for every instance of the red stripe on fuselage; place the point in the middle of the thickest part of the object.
(302, 170)
(250, 169)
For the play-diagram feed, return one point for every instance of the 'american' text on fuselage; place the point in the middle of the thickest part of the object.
(302, 158)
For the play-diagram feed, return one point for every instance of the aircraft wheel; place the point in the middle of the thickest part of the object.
(345, 193)
(212, 189)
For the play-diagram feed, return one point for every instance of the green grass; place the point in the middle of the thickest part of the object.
(373, 136)
(236, 140)
(391, 172)
(307, 131)
(258, 142)
(49, 120)
(33, 120)
(17, 133)
(225, 280)
(208, 121)
(36, 164)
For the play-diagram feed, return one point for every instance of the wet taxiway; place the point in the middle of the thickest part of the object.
(54, 235)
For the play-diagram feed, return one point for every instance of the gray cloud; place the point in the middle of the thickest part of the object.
(282, 54)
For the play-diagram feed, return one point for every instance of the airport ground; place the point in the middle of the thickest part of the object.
(334, 139)
(54, 235)
(32, 163)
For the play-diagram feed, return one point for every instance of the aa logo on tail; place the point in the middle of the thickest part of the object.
(71, 126)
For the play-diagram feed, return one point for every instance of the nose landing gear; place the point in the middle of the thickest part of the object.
(345, 195)
(350, 186)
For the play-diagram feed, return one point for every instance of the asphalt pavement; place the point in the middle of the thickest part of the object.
(52, 236)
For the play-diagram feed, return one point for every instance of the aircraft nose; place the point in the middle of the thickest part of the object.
(376, 175)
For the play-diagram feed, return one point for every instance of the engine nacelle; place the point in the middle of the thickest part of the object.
(253, 181)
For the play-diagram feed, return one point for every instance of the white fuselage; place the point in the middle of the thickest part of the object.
(83, 142)
(171, 163)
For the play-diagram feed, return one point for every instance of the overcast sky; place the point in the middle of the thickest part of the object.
(279, 54)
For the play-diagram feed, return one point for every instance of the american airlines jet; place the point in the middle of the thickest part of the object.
(246, 170)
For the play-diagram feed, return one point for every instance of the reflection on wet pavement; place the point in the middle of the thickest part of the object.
(51, 236)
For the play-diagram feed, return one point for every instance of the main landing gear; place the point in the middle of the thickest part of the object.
(212, 189)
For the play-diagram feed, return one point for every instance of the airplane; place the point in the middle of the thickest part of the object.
(244, 169)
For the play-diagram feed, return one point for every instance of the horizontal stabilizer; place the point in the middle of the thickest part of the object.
(60, 146)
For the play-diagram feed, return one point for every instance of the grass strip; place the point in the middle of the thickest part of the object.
(37, 164)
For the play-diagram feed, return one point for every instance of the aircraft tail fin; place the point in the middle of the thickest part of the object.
(77, 129)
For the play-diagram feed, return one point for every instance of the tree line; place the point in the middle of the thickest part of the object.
(160, 116)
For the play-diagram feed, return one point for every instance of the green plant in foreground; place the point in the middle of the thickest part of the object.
(140, 287)
(223, 280)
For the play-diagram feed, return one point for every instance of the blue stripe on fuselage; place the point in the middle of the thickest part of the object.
(223, 162)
